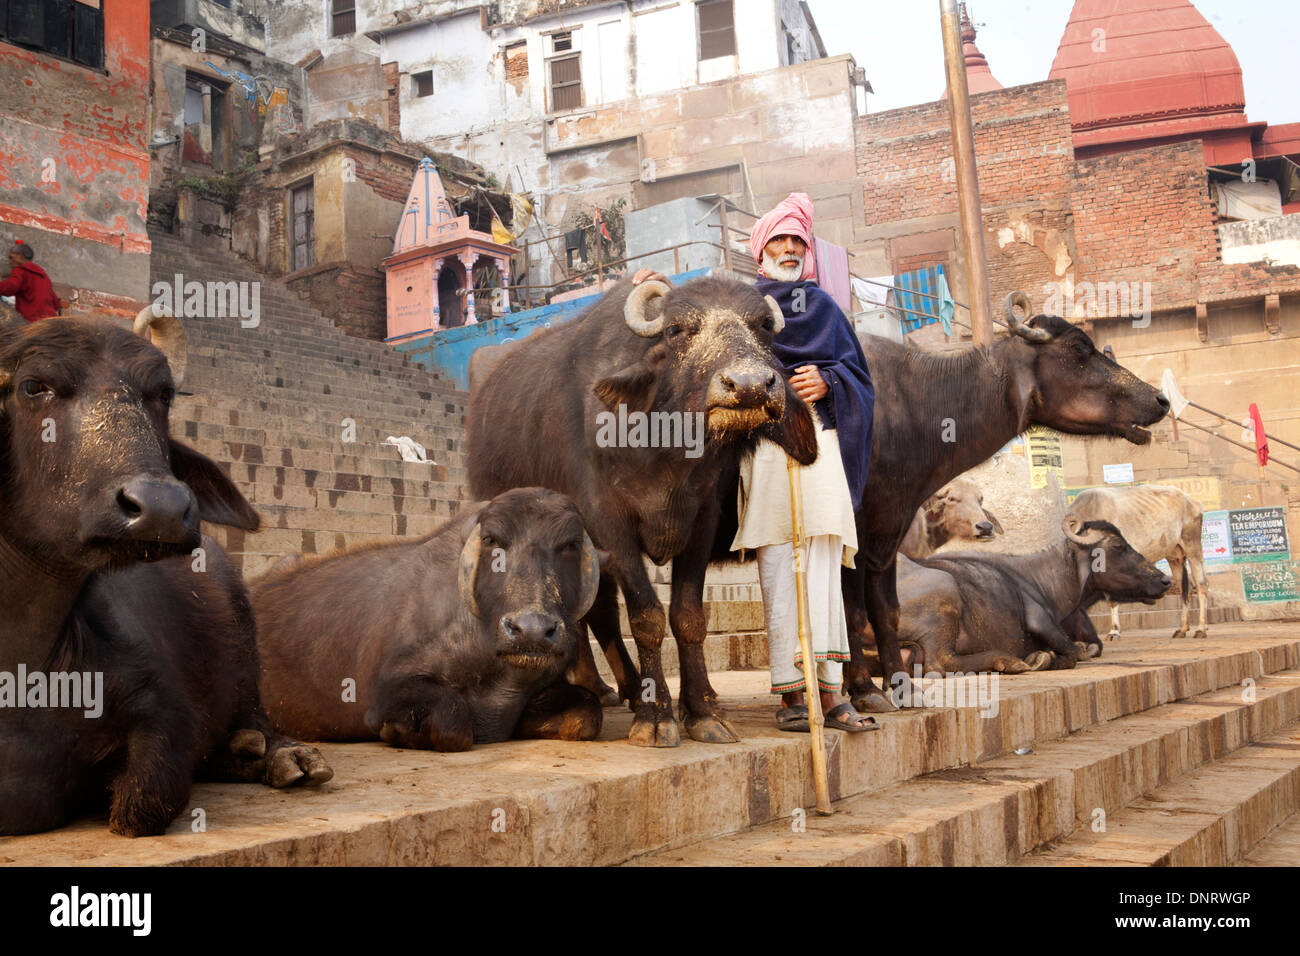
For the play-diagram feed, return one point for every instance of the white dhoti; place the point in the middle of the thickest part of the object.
(766, 526)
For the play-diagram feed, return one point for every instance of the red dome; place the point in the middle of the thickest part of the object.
(979, 78)
(1155, 65)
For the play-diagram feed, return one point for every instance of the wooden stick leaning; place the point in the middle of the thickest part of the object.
(812, 694)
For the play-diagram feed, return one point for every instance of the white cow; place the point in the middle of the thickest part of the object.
(1159, 521)
(954, 511)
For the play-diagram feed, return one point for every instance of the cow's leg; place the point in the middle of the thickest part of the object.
(654, 724)
(1179, 575)
(413, 710)
(1041, 624)
(584, 673)
(1114, 619)
(154, 785)
(257, 754)
(984, 662)
(561, 712)
(706, 720)
(858, 684)
(1079, 627)
(1196, 570)
(604, 624)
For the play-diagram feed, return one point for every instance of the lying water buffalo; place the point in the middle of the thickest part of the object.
(969, 611)
(955, 511)
(372, 642)
(128, 660)
(939, 414)
(1161, 522)
(635, 410)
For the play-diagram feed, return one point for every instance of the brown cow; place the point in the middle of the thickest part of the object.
(955, 511)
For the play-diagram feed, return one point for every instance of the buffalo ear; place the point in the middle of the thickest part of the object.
(795, 432)
(992, 519)
(220, 502)
(635, 385)
(593, 562)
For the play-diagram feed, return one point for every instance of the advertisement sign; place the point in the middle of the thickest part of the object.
(1118, 474)
(1263, 583)
(1258, 534)
(1216, 543)
(1044, 456)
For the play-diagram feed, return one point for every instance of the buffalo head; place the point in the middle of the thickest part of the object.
(1065, 383)
(88, 475)
(1117, 570)
(711, 354)
(529, 573)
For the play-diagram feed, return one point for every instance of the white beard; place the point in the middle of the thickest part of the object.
(774, 270)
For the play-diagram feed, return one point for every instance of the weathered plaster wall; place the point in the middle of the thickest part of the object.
(74, 166)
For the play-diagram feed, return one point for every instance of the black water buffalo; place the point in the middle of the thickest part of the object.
(971, 611)
(377, 643)
(696, 355)
(128, 659)
(939, 414)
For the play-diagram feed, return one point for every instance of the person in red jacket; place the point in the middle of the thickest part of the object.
(31, 288)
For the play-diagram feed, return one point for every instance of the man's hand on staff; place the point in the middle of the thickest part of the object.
(808, 383)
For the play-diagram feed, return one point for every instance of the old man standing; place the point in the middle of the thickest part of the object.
(827, 368)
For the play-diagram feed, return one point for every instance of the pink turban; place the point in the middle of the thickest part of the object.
(792, 216)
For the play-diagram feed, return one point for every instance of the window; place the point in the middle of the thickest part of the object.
(717, 24)
(566, 83)
(423, 83)
(343, 17)
(302, 207)
(72, 29)
(561, 42)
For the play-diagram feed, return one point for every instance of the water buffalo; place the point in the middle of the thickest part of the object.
(1161, 522)
(968, 611)
(113, 602)
(939, 414)
(954, 511)
(374, 643)
(695, 357)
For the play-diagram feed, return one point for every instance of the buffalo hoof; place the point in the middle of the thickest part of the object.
(297, 764)
(711, 729)
(1088, 650)
(654, 732)
(1039, 660)
(1112, 635)
(248, 743)
(1199, 633)
(1014, 666)
(1181, 632)
(874, 702)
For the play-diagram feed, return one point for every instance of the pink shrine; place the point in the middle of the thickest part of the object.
(441, 272)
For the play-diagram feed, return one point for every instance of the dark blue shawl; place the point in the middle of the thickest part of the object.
(820, 335)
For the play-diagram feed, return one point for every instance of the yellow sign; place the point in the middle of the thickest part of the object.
(1204, 491)
(1044, 447)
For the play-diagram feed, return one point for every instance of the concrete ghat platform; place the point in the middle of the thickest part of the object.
(605, 802)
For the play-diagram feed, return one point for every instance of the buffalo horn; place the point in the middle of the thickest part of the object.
(590, 576)
(1017, 326)
(168, 335)
(469, 570)
(637, 302)
(1073, 528)
(778, 317)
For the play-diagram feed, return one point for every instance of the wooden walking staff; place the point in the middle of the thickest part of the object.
(821, 783)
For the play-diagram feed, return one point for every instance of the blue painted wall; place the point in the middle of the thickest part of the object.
(447, 352)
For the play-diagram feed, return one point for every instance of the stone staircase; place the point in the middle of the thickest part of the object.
(1162, 753)
(299, 411)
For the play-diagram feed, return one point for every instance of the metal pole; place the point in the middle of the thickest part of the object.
(812, 693)
(726, 240)
(968, 190)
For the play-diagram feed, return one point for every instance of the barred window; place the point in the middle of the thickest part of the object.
(343, 17)
(71, 29)
(717, 24)
(566, 83)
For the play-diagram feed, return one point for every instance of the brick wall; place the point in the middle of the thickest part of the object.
(354, 296)
(1025, 161)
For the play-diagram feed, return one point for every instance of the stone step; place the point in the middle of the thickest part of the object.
(216, 374)
(376, 461)
(996, 811)
(281, 432)
(1279, 848)
(1212, 816)
(607, 802)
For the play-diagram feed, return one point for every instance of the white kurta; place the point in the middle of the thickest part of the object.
(765, 497)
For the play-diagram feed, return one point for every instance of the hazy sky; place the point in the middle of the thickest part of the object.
(899, 44)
